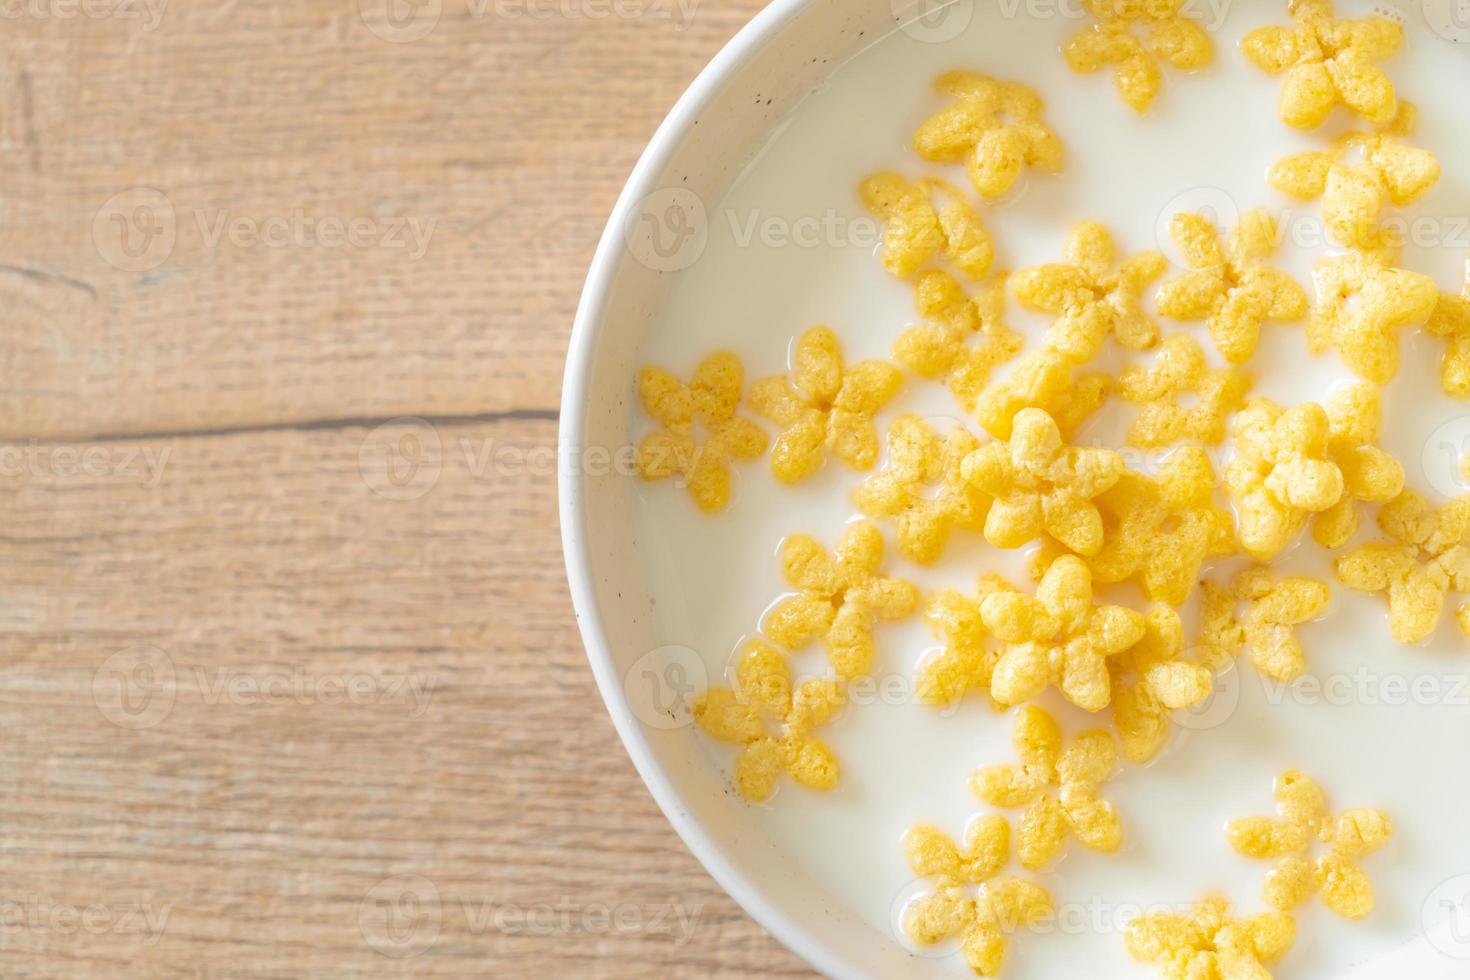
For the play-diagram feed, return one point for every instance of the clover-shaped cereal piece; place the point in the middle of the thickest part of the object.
(1451, 321)
(839, 598)
(1281, 472)
(1152, 679)
(1328, 62)
(709, 401)
(998, 907)
(922, 489)
(1042, 485)
(1209, 943)
(1046, 379)
(1059, 636)
(962, 338)
(967, 660)
(824, 407)
(1231, 287)
(914, 230)
(1274, 607)
(1355, 413)
(993, 127)
(1427, 557)
(1181, 374)
(1358, 177)
(1057, 786)
(1362, 303)
(763, 696)
(1303, 818)
(1168, 36)
(1092, 294)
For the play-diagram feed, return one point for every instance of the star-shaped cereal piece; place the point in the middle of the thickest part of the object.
(1059, 636)
(1328, 62)
(1058, 787)
(824, 407)
(1304, 817)
(1092, 294)
(1355, 413)
(1358, 177)
(967, 661)
(1046, 379)
(1041, 484)
(1168, 36)
(839, 598)
(1427, 557)
(1362, 303)
(1152, 679)
(981, 921)
(1451, 320)
(922, 489)
(1273, 608)
(710, 400)
(1231, 288)
(1282, 471)
(763, 696)
(915, 231)
(962, 339)
(993, 127)
(1181, 373)
(1210, 943)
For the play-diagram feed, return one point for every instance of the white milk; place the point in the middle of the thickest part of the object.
(1207, 143)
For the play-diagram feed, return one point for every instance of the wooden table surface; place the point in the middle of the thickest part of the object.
(292, 689)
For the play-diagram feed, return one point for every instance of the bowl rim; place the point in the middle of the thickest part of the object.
(677, 125)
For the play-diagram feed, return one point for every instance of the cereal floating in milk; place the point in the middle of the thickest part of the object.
(1451, 321)
(1057, 785)
(915, 231)
(1151, 680)
(763, 696)
(825, 406)
(839, 598)
(966, 663)
(962, 339)
(1304, 818)
(1273, 608)
(1363, 301)
(1180, 373)
(1355, 415)
(1231, 288)
(993, 127)
(1282, 471)
(1167, 36)
(707, 406)
(1209, 943)
(1044, 379)
(1328, 62)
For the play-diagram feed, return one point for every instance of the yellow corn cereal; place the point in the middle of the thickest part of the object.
(1151, 680)
(1328, 62)
(1057, 786)
(1041, 484)
(1355, 414)
(1273, 608)
(1167, 36)
(1179, 374)
(1092, 294)
(1426, 557)
(1281, 472)
(1231, 287)
(967, 661)
(764, 696)
(915, 231)
(920, 460)
(962, 339)
(1046, 379)
(1362, 303)
(1303, 816)
(710, 400)
(1359, 177)
(1209, 943)
(981, 921)
(1451, 321)
(824, 407)
(993, 127)
(839, 597)
(1059, 636)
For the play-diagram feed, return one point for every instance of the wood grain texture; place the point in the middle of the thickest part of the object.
(270, 709)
